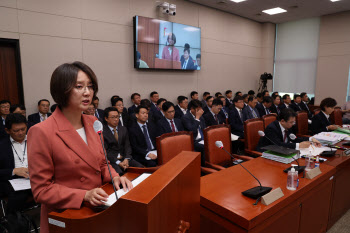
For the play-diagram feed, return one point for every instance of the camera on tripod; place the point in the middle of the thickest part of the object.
(263, 81)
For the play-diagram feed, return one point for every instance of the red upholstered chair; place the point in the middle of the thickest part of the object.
(313, 108)
(171, 144)
(215, 157)
(302, 124)
(316, 111)
(268, 119)
(337, 116)
(251, 135)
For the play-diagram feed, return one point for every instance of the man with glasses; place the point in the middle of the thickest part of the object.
(212, 117)
(116, 141)
(250, 112)
(124, 119)
(236, 116)
(42, 114)
(4, 111)
(168, 123)
(279, 133)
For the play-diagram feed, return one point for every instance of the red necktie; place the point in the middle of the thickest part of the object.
(216, 118)
(172, 126)
(285, 136)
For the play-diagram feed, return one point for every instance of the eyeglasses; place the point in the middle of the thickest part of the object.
(114, 117)
(82, 88)
(5, 106)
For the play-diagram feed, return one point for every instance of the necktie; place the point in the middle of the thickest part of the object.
(267, 111)
(216, 118)
(241, 115)
(115, 134)
(285, 139)
(278, 111)
(185, 64)
(201, 132)
(172, 126)
(254, 114)
(299, 107)
(96, 114)
(148, 141)
(3, 121)
(43, 117)
(225, 113)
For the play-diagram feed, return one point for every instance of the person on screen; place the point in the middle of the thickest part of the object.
(198, 59)
(182, 58)
(169, 51)
(187, 63)
(139, 63)
(65, 157)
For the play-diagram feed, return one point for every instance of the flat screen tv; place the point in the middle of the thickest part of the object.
(165, 45)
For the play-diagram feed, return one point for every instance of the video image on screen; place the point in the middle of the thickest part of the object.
(165, 45)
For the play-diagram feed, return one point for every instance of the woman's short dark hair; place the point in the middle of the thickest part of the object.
(64, 79)
(173, 37)
(187, 48)
(14, 118)
(328, 102)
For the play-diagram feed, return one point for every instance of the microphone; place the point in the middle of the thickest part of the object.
(255, 192)
(98, 129)
(292, 136)
(262, 134)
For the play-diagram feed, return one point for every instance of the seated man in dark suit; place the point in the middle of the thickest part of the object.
(209, 104)
(159, 114)
(43, 114)
(136, 99)
(275, 106)
(228, 99)
(124, 118)
(14, 162)
(250, 112)
(18, 108)
(225, 110)
(303, 104)
(194, 121)
(264, 107)
(116, 142)
(142, 135)
(125, 110)
(260, 98)
(194, 95)
(320, 122)
(154, 97)
(279, 133)
(204, 100)
(217, 94)
(213, 117)
(236, 117)
(286, 102)
(296, 105)
(245, 100)
(169, 124)
(265, 93)
(98, 112)
(182, 107)
(4, 111)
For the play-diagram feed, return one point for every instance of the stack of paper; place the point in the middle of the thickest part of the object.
(329, 138)
(279, 157)
(342, 131)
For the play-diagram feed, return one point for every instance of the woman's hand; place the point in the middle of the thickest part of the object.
(96, 196)
(127, 185)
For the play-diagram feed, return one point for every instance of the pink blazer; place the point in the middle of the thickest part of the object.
(174, 54)
(62, 166)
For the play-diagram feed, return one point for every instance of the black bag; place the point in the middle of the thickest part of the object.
(17, 223)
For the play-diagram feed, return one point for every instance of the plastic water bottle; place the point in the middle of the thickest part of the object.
(292, 179)
(309, 162)
(317, 163)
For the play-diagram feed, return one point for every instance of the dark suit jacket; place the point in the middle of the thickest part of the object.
(210, 120)
(295, 107)
(138, 141)
(191, 124)
(274, 109)
(164, 126)
(178, 112)
(126, 120)
(3, 133)
(35, 118)
(7, 161)
(190, 64)
(113, 147)
(261, 109)
(306, 108)
(236, 123)
(247, 114)
(206, 109)
(222, 113)
(131, 109)
(101, 114)
(157, 115)
(282, 106)
(274, 133)
(319, 123)
(228, 103)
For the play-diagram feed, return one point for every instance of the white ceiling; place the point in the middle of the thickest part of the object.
(296, 9)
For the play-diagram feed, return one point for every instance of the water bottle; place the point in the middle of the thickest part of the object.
(292, 178)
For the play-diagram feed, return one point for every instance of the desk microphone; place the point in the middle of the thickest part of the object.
(98, 129)
(255, 192)
(262, 134)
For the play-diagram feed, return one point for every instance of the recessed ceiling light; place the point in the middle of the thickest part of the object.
(335, 0)
(274, 11)
(237, 1)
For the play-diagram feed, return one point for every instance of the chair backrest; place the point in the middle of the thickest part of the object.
(313, 107)
(251, 135)
(268, 119)
(171, 144)
(316, 111)
(337, 116)
(302, 123)
(215, 133)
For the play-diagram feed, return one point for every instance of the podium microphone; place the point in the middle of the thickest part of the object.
(255, 192)
(299, 168)
(98, 129)
(262, 134)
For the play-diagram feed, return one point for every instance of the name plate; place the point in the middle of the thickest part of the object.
(313, 173)
(272, 196)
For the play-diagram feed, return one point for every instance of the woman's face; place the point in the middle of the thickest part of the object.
(170, 39)
(82, 93)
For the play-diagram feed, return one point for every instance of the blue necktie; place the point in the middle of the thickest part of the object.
(148, 141)
(201, 132)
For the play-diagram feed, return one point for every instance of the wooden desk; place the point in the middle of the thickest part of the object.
(224, 209)
(341, 188)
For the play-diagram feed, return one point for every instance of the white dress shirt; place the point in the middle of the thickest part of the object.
(20, 152)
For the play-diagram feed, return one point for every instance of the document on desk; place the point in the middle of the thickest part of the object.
(111, 199)
(314, 150)
(20, 184)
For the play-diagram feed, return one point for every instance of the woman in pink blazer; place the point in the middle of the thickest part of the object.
(65, 156)
(169, 51)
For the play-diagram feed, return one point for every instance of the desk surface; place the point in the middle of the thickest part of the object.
(221, 191)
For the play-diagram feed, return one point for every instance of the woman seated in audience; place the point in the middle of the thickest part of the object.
(321, 122)
(65, 156)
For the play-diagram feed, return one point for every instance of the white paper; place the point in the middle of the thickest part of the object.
(201, 142)
(329, 137)
(234, 137)
(314, 150)
(111, 199)
(20, 184)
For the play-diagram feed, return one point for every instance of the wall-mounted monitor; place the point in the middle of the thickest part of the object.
(165, 45)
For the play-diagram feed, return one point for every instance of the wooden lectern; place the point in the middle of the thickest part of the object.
(166, 64)
(167, 201)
